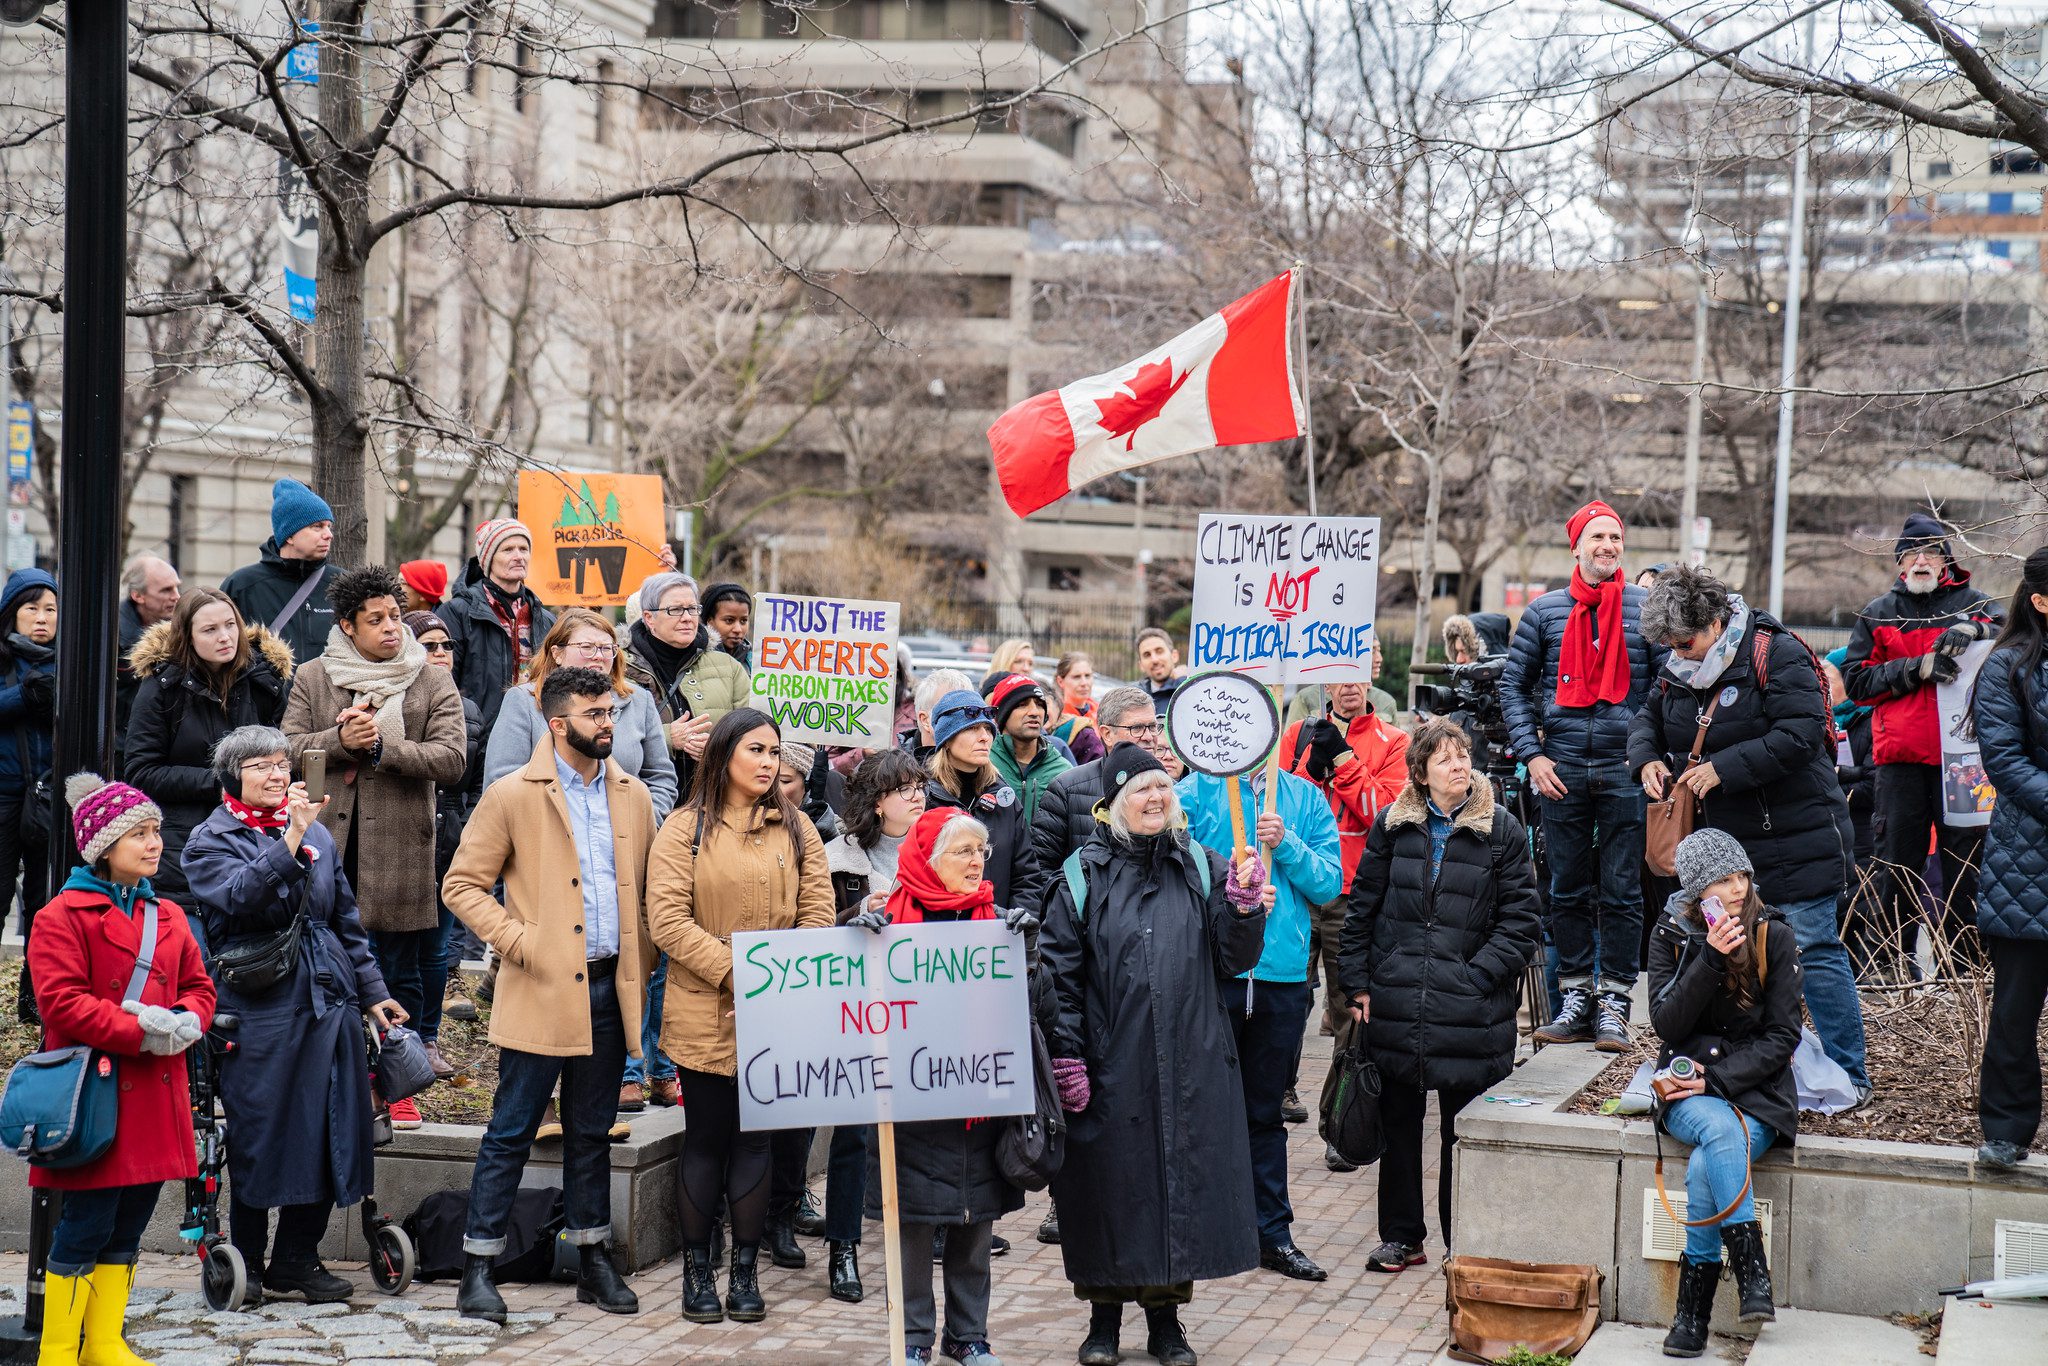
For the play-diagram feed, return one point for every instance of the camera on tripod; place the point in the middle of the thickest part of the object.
(1472, 699)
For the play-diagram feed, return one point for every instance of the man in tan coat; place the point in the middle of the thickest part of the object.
(569, 835)
(393, 732)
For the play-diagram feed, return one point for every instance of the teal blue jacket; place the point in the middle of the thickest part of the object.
(1307, 866)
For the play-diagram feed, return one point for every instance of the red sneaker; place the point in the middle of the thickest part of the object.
(405, 1115)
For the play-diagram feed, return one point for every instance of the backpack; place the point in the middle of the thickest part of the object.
(1760, 665)
(1077, 881)
(531, 1236)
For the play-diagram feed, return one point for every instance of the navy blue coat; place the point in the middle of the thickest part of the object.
(1528, 688)
(2013, 740)
(296, 1141)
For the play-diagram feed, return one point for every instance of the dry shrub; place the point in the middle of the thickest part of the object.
(881, 566)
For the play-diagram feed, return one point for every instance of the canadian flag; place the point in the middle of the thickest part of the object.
(1226, 381)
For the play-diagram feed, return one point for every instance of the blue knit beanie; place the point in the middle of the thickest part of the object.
(960, 709)
(293, 508)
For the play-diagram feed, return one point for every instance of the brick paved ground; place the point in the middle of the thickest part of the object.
(1355, 1316)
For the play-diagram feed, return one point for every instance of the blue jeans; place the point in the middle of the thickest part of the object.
(101, 1227)
(401, 961)
(590, 1097)
(1594, 834)
(1266, 1044)
(434, 964)
(1830, 983)
(1715, 1170)
(651, 1056)
(846, 1182)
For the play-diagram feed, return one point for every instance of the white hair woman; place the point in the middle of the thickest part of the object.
(1145, 1059)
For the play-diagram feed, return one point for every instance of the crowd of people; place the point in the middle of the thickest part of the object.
(603, 811)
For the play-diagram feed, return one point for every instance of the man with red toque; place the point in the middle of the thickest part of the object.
(1577, 671)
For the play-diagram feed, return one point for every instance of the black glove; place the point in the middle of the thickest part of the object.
(1946, 667)
(1326, 745)
(1957, 638)
(39, 695)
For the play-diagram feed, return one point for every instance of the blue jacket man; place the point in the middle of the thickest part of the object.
(1307, 871)
(1578, 670)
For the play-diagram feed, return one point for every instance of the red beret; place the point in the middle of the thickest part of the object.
(1585, 515)
(428, 578)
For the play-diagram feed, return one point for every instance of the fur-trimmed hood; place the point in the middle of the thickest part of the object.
(153, 651)
(1476, 815)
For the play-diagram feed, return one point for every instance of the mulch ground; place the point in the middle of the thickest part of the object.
(1923, 1073)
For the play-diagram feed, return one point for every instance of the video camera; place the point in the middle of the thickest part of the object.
(1472, 699)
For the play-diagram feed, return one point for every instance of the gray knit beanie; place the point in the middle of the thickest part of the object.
(1707, 856)
(797, 757)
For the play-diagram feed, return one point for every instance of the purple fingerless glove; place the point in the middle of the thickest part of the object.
(1071, 1076)
(1245, 896)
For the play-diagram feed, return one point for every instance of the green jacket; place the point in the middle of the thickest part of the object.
(1028, 782)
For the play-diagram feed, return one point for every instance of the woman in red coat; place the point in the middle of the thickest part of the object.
(82, 952)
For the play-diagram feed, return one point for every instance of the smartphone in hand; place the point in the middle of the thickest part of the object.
(316, 776)
(1713, 911)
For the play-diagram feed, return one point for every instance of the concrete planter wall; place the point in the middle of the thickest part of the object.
(1858, 1227)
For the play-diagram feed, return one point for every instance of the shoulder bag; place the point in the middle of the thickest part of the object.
(1498, 1305)
(1031, 1147)
(1350, 1120)
(60, 1108)
(261, 965)
(1666, 823)
(297, 600)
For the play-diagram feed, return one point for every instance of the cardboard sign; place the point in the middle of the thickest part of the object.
(1222, 724)
(596, 536)
(1286, 599)
(1966, 793)
(851, 1027)
(825, 669)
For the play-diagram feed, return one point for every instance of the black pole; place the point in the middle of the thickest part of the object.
(89, 565)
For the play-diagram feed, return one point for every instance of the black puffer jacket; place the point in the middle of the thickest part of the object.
(485, 662)
(452, 805)
(1441, 960)
(1012, 866)
(176, 722)
(1066, 817)
(1770, 749)
(2012, 735)
(1528, 688)
(1747, 1052)
(261, 590)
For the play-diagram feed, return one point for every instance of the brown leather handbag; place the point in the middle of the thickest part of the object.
(1669, 821)
(1498, 1305)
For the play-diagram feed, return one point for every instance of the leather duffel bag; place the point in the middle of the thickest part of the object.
(1498, 1305)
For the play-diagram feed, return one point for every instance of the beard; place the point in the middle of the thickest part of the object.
(1921, 582)
(590, 746)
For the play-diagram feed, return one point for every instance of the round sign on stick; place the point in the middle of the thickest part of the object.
(1223, 724)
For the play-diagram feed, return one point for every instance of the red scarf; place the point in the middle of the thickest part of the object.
(1589, 673)
(920, 889)
(255, 817)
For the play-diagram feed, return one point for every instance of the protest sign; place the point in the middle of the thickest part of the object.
(596, 536)
(852, 1027)
(825, 669)
(1286, 599)
(1222, 723)
(1966, 794)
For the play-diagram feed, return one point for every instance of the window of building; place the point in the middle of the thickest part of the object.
(601, 130)
(1940, 170)
(181, 540)
(2010, 159)
(2026, 202)
(522, 62)
(1063, 578)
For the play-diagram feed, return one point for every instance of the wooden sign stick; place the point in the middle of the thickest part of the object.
(1273, 777)
(1234, 790)
(892, 1250)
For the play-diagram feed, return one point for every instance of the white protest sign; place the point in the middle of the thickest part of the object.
(1286, 599)
(1222, 724)
(1966, 795)
(852, 1027)
(825, 669)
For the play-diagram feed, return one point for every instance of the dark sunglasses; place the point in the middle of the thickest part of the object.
(972, 715)
(438, 647)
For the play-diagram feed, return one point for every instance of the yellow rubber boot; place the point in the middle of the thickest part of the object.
(105, 1314)
(64, 1304)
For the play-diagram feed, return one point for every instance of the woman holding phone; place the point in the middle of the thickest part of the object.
(1724, 994)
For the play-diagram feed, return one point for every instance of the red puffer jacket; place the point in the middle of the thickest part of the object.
(1883, 667)
(81, 953)
(1357, 790)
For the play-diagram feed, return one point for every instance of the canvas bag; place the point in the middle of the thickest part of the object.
(1497, 1305)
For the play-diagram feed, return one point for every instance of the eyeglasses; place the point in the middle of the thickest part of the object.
(283, 766)
(907, 792)
(980, 852)
(595, 651)
(602, 715)
(438, 647)
(1149, 731)
(691, 611)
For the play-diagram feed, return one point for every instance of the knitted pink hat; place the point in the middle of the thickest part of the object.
(102, 812)
(493, 534)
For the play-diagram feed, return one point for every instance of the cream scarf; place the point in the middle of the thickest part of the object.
(379, 685)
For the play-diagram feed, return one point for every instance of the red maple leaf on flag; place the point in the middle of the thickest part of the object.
(1138, 399)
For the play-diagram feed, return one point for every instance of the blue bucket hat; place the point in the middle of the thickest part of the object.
(960, 710)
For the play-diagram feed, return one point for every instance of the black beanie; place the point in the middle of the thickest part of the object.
(1125, 762)
(1922, 530)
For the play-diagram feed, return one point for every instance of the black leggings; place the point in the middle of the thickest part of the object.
(720, 1162)
(299, 1230)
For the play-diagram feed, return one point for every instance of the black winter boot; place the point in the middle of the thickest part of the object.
(782, 1245)
(743, 1288)
(303, 1274)
(700, 1286)
(1164, 1339)
(1697, 1282)
(1574, 1022)
(1610, 1023)
(1744, 1244)
(842, 1272)
(479, 1298)
(1105, 1324)
(598, 1283)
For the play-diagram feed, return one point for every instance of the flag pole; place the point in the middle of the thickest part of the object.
(1308, 425)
